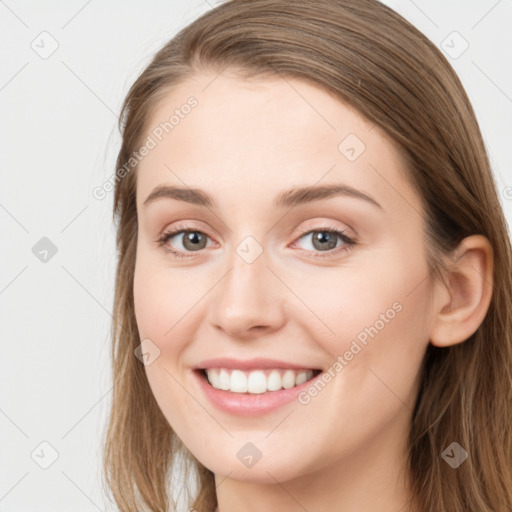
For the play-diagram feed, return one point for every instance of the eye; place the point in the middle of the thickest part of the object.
(192, 241)
(325, 240)
(322, 240)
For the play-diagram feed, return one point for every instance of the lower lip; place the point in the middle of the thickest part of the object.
(249, 404)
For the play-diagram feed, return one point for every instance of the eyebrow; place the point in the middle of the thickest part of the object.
(289, 198)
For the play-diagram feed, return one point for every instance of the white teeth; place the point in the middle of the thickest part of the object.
(288, 379)
(301, 378)
(213, 377)
(238, 382)
(224, 379)
(256, 381)
(274, 381)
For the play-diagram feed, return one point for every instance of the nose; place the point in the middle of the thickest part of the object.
(249, 301)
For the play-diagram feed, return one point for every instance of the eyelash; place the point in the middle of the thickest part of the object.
(349, 242)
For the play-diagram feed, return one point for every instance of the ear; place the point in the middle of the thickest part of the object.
(461, 303)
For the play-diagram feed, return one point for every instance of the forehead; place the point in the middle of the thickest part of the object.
(263, 134)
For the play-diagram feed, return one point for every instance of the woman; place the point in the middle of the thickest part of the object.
(312, 304)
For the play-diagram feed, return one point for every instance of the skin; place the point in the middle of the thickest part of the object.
(245, 142)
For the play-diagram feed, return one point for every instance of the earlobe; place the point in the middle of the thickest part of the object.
(463, 301)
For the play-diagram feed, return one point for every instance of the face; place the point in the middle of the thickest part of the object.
(261, 285)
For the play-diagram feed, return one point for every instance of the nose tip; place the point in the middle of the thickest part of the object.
(246, 303)
(237, 323)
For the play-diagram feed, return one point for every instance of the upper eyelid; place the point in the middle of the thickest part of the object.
(327, 225)
(179, 230)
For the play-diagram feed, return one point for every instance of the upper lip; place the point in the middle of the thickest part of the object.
(250, 364)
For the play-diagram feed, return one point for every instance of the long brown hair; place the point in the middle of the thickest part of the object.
(373, 59)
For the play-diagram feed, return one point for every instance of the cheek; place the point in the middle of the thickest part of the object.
(165, 315)
(163, 302)
(362, 304)
(375, 323)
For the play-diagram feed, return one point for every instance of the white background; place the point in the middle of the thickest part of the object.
(58, 141)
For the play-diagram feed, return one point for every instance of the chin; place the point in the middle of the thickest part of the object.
(267, 470)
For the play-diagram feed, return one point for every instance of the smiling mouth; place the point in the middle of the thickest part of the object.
(256, 381)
